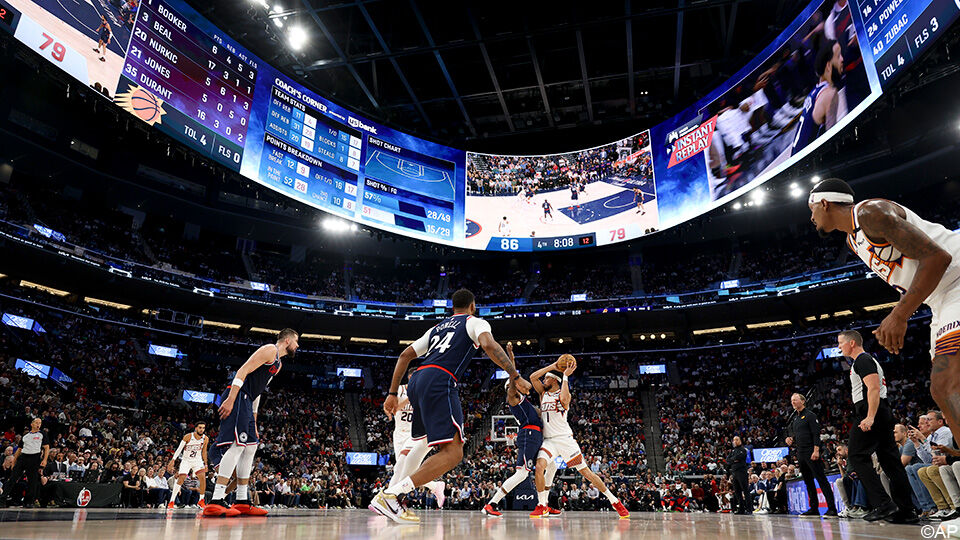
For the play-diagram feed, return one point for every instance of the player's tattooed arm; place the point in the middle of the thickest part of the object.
(500, 358)
(881, 221)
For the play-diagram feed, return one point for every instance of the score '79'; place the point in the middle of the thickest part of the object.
(58, 52)
(618, 234)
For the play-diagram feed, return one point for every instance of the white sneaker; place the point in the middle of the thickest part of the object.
(438, 493)
(761, 511)
(857, 513)
(940, 514)
(387, 505)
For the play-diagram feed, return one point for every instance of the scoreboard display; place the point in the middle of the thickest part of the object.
(170, 67)
(899, 31)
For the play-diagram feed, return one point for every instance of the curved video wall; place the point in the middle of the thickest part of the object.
(173, 69)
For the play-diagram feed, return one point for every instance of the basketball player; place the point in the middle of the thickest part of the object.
(504, 228)
(919, 259)
(194, 461)
(403, 446)
(528, 441)
(447, 349)
(558, 437)
(638, 198)
(547, 210)
(574, 195)
(238, 426)
(820, 107)
(105, 34)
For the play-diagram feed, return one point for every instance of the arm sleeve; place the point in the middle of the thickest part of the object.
(256, 405)
(420, 346)
(179, 449)
(475, 327)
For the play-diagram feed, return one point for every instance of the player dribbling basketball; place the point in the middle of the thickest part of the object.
(555, 401)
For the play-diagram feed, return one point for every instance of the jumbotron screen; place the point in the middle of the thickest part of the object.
(173, 69)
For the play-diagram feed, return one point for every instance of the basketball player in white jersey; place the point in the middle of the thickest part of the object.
(194, 448)
(555, 401)
(504, 227)
(404, 446)
(919, 259)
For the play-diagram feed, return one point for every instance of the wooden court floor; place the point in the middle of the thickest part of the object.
(112, 524)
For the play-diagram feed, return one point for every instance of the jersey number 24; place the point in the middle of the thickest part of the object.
(440, 343)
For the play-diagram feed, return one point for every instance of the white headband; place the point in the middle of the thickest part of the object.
(555, 377)
(830, 196)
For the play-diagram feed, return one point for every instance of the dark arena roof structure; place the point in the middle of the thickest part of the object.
(624, 181)
(511, 76)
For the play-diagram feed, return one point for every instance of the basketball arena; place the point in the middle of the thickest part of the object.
(379, 269)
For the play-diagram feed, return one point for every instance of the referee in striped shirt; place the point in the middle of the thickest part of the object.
(874, 433)
(30, 459)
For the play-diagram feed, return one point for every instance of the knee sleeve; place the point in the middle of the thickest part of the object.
(519, 476)
(418, 451)
(549, 473)
(245, 465)
(228, 463)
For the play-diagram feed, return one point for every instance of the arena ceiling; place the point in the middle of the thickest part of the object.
(481, 74)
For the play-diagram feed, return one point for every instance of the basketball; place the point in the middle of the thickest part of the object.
(565, 360)
(144, 105)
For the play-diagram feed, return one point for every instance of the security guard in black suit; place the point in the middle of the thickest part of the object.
(737, 465)
(804, 432)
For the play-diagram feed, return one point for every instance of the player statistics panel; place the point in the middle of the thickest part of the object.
(309, 154)
(203, 83)
(899, 31)
(408, 190)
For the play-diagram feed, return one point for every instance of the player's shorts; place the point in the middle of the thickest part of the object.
(566, 447)
(190, 466)
(945, 324)
(239, 427)
(400, 440)
(437, 414)
(528, 444)
(104, 35)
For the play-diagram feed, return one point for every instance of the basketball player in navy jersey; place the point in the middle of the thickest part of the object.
(574, 195)
(820, 107)
(238, 426)
(547, 210)
(105, 34)
(529, 439)
(447, 350)
(638, 198)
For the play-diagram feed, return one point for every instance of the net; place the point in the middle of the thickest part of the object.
(511, 439)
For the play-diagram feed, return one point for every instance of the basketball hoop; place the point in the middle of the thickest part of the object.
(511, 439)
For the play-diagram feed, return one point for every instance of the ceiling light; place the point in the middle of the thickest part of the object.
(278, 22)
(794, 185)
(560, 341)
(298, 37)
(815, 179)
(737, 205)
(663, 336)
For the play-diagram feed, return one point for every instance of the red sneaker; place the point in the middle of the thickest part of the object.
(214, 510)
(540, 511)
(552, 511)
(249, 510)
(231, 512)
(622, 510)
(491, 511)
(202, 503)
(170, 505)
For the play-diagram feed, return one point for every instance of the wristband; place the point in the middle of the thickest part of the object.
(391, 393)
(237, 382)
(565, 378)
(515, 377)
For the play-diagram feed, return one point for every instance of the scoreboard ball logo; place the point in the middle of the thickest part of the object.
(142, 104)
